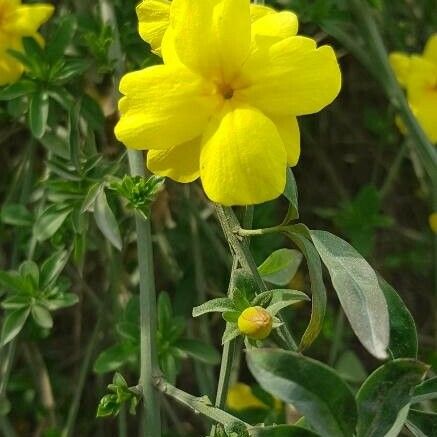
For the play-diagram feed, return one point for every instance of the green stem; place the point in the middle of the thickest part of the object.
(148, 354)
(227, 357)
(393, 171)
(197, 405)
(231, 227)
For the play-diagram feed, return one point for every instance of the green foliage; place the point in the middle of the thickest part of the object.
(312, 387)
(111, 404)
(139, 192)
(385, 393)
(173, 346)
(36, 292)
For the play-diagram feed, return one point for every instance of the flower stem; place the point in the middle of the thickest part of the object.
(198, 405)
(148, 354)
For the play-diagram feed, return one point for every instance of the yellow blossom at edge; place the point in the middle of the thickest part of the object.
(18, 21)
(418, 75)
(433, 222)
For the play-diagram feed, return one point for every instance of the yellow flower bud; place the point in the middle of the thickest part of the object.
(255, 322)
(433, 222)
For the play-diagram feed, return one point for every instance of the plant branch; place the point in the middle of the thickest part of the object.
(199, 405)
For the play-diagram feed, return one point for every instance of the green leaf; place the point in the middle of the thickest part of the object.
(284, 298)
(357, 288)
(16, 301)
(422, 424)
(291, 194)
(199, 351)
(19, 89)
(50, 221)
(384, 393)
(16, 215)
(312, 387)
(63, 300)
(108, 406)
(218, 305)
(114, 357)
(403, 334)
(74, 135)
(239, 299)
(281, 266)
(231, 316)
(29, 270)
(106, 221)
(14, 282)
(52, 267)
(42, 316)
(91, 196)
(350, 367)
(231, 332)
(282, 431)
(13, 324)
(61, 38)
(425, 391)
(38, 113)
(244, 281)
(318, 290)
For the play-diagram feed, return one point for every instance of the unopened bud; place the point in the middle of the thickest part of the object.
(255, 322)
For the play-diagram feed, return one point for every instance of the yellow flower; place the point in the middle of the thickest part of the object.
(240, 397)
(433, 222)
(255, 322)
(16, 22)
(418, 75)
(223, 106)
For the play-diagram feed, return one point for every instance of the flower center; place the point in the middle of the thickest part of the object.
(226, 91)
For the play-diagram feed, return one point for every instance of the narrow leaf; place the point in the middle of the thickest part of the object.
(318, 290)
(425, 391)
(106, 221)
(282, 431)
(422, 424)
(357, 288)
(403, 334)
(52, 267)
(218, 305)
(38, 113)
(13, 324)
(281, 266)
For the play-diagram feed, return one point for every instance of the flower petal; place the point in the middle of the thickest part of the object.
(259, 11)
(430, 51)
(288, 128)
(421, 79)
(164, 106)
(26, 19)
(400, 62)
(10, 68)
(243, 159)
(153, 18)
(180, 163)
(274, 27)
(291, 77)
(212, 37)
(425, 112)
